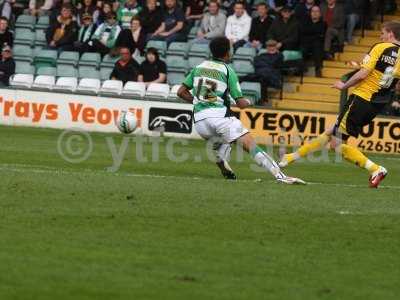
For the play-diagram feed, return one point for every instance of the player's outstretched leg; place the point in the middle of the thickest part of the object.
(353, 155)
(223, 153)
(314, 145)
(265, 161)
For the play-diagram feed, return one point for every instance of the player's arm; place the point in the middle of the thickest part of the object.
(186, 87)
(368, 64)
(354, 80)
(184, 93)
(235, 90)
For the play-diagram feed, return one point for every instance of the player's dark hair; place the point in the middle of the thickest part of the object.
(220, 47)
(393, 26)
(4, 18)
(153, 51)
(215, 2)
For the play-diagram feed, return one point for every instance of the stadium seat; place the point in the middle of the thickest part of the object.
(134, 90)
(44, 82)
(177, 64)
(174, 78)
(88, 72)
(25, 21)
(243, 67)
(88, 86)
(50, 71)
(109, 61)
(40, 38)
(68, 58)
(111, 88)
(105, 73)
(42, 23)
(252, 90)
(193, 32)
(194, 61)
(66, 71)
(23, 53)
(262, 51)
(66, 84)
(90, 59)
(140, 59)
(23, 67)
(45, 58)
(292, 55)
(157, 91)
(173, 97)
(24, 36)
(199, 50)
(178, 48)
(244, 53)
(161, 46)
(21, 81)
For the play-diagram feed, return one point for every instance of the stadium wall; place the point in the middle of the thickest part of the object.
(93, 113)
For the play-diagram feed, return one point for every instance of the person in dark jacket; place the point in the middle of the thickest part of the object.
(63, 32)
(354, 10)
(126, 68)
(334, 17)
(153, 69)
(133, 38)
(7, 66)
(151, 17)
(285, 30)
(303, 9)
(85, 34)
(259, 27)
(312, 38)
(6, 37)
(267, 65)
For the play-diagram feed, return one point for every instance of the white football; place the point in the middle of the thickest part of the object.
(127, 122)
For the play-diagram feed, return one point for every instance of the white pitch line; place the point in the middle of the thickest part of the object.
(40, 169)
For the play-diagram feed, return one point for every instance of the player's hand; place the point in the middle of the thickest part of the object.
(243, 103)
(338, 85)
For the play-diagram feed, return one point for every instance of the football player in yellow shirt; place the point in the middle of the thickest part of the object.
(373, 85)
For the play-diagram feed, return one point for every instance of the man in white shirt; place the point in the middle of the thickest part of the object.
(238, 26)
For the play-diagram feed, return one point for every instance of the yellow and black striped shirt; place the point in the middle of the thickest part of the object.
(384, 65)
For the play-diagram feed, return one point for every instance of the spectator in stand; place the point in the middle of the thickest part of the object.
(105, 9)
(88, 7)
(153, 69)
(126, 68)
(133, 38)
(6, 37)
(285, 30)
(151, 17)
(259, 27)
(56, 10)
(353, 9)
(105, 35)
(85, 33)
(333, 15)
(7, 66)
(303, 9)
(194, 11)
(171, 29)
(238, 26)
(212, 25)
(125, 13)
(40, 8)
(267, 65)
(63, 32)
(312, 38)
(6, 9)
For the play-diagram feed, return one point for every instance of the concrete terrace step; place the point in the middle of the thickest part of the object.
(350, 56)
(337, 64)
(357, 48)
(310, 79)
(319, 89)
(305, 105)
(312, 97)
(335, 72)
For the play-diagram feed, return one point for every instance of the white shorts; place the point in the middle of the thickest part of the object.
(228, 129)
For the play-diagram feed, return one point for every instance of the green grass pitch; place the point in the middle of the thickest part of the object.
(167, 230)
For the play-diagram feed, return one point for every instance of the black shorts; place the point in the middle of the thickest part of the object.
(356, 113)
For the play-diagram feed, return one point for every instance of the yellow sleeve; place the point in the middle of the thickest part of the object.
(370, 60)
